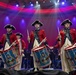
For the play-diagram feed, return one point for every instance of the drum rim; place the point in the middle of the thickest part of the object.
(38, 48)
(70, 48)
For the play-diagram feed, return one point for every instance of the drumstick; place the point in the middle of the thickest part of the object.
(42, 41)
(28, 36)
(59, 33)
(27, 33)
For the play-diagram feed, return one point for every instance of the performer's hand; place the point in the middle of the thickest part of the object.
(51, 47)
(14, 43)
(59, 37)
(1, 49)
(22, 51)
(44, 40)
(28, 39)
(75, 44)
(23, 55)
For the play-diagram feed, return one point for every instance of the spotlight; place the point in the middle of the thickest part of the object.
(37, 2)
(32, 5)
(73, 3)
(17, 5)
(37, 6)
(63, 3)
(56, 4)
(58, 1)
(7, 18)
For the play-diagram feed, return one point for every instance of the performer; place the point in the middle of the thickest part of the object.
(66, 38)
(36, 36)
(8, 38)
(19, 52)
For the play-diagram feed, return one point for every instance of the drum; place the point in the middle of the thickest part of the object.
(71, 55)
(42, 56)
(9, 58)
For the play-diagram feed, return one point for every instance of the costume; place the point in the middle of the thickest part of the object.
(19, 52)
(7, 40)
(36, 37)
(68, 38)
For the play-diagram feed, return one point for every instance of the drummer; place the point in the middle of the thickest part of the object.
(36, 36)
(66, 38)
(20, 45)
(8, 38)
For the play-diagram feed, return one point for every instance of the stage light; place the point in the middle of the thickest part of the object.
(37, 6)
(73, 3)
(56, 4)
(7, 20)
(58, 1)
(22, 24)
(63, 3)
(17, 5)
(32, 5)
(58, 23)
(74, 19)
(37, 2)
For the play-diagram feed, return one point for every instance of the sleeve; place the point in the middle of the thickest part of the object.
(31, 36)
(44, 35)
(2, 39)
(75, 35)
(23, 44)
(58, 42)
(14, 37)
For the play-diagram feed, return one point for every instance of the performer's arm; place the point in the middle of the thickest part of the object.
(31, 37)
(75, 35)
(23, 45)
(14, 41)
(2, 39)
(44, 37)
(58, 39)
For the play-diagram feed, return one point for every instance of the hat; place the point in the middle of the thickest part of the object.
(66, 21)
(10, 26)
(19, 34)
(37, 22)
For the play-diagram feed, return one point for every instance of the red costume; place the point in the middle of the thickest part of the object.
(23, 45)
(3, 39)
(41, 35)
(37, 39)
(66, 38)
(62, 33)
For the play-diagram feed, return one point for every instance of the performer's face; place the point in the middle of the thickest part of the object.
(9, 29)
(18, 37)
(67, 25)
(37, 26)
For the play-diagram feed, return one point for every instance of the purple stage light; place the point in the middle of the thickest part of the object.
(22, 24)
(58, 23)
(74, 19)
(32, 5)
(17, 5)
(63, 3)
(7, 20)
